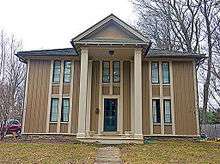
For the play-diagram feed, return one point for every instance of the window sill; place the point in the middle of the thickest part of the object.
(156, 123)
(168, 124)
(53, 122)
(55, 84)
(166, 84)
(64, 122)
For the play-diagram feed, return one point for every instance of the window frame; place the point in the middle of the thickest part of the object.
(66, 61)
(163, 72)
(62, 110)
(109, 72)
(113, 68)
(51, 109)
(153, 114)
(158, 73)
(170, 111)
(53, 76)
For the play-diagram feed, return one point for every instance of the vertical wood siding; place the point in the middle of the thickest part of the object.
(94, 117)
(127, 98)
(145, 100)
(184, 98)
(75, 100)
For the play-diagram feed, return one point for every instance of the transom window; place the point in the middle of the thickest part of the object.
(54, 110)
(65, 110)
(67, 72)
(156, 110)
(56, 71)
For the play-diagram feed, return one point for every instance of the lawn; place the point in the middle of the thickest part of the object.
(172, 152)
(47, 153)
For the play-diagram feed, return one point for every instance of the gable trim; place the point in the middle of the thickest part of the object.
(104, 21)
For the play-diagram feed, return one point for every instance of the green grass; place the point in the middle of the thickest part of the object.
(172, 152)
(47, 153)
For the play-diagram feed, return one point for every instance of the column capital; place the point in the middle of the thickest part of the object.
(138, 51)
(84, 50)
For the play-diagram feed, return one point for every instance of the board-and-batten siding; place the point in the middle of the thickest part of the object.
(37, 96)
(145, 99)
(184, 98)
(94, 117)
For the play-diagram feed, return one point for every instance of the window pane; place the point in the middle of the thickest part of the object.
(65, 110)
(154, 73)
(54, 110)
(106, 72)
(116, 71)
(56, 71)
(67, 72)
(166, 73)
(156, 111)
(167, 111)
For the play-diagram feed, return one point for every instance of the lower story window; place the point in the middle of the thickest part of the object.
(167, 111)
(54, 110)
(65, 110)
(156, 110)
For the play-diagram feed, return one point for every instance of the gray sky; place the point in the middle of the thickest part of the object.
(45, 24)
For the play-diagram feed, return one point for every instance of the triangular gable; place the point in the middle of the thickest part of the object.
(111, 28)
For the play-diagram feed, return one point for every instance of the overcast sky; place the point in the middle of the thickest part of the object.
(47, 24)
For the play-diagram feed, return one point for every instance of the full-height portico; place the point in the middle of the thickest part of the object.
(110, 85)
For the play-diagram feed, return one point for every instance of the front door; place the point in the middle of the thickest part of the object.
(110, 114)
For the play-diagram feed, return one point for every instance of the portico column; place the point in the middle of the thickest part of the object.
(83, 93)
(138, 93)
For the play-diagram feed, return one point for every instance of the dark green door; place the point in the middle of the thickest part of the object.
(110, 115)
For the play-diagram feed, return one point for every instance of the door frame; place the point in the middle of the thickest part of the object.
(101, 113)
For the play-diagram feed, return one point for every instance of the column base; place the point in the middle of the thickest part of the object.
(80, 135)
(138, 136)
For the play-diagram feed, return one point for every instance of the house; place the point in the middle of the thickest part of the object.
(110, 84)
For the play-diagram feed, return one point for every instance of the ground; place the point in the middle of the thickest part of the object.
(157, 152)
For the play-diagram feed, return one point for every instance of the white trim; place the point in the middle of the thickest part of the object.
(172, 98)
(88, 106)
(132, 95)
(49, 96)
(161, 98)
(196, 98)
(60, 96)
(26, 92)
(71, 97)
(100, 98)
(109, 43)
(121, 99)
(150, 101)
(101, 112)
(106, 20)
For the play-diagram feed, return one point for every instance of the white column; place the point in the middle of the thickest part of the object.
(83, 93)
(138, 93)
(132, 95)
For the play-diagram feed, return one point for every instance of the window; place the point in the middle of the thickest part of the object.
(156, 110)
(105, 72)
(67, 72)
(166, 73)
(154, 72)
(54, 109)
(116, 71)
(56, 71)
(65, 110)
(167, 111)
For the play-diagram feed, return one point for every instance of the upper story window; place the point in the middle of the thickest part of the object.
(116, 71)
(67, 72)
(166, 73)
(56, 71)
(106, 72)
(65, 110)
(155, 72)
(156, 110)
(167, 111)
(54, 109)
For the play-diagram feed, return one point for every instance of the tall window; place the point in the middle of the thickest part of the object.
(156, 110)
(54, 109)
(67, 72)
(166, 73)
(116, 71)
(155, 72)
(167, 111)
(106, 72)
(65, 110)
(56, 71)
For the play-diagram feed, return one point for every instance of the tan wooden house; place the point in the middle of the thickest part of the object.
(110, 85)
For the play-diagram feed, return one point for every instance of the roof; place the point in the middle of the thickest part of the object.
(49, 52)
(80, 38)
(166, 53)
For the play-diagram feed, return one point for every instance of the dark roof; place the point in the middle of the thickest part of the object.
(167, 53)
(50, 52)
